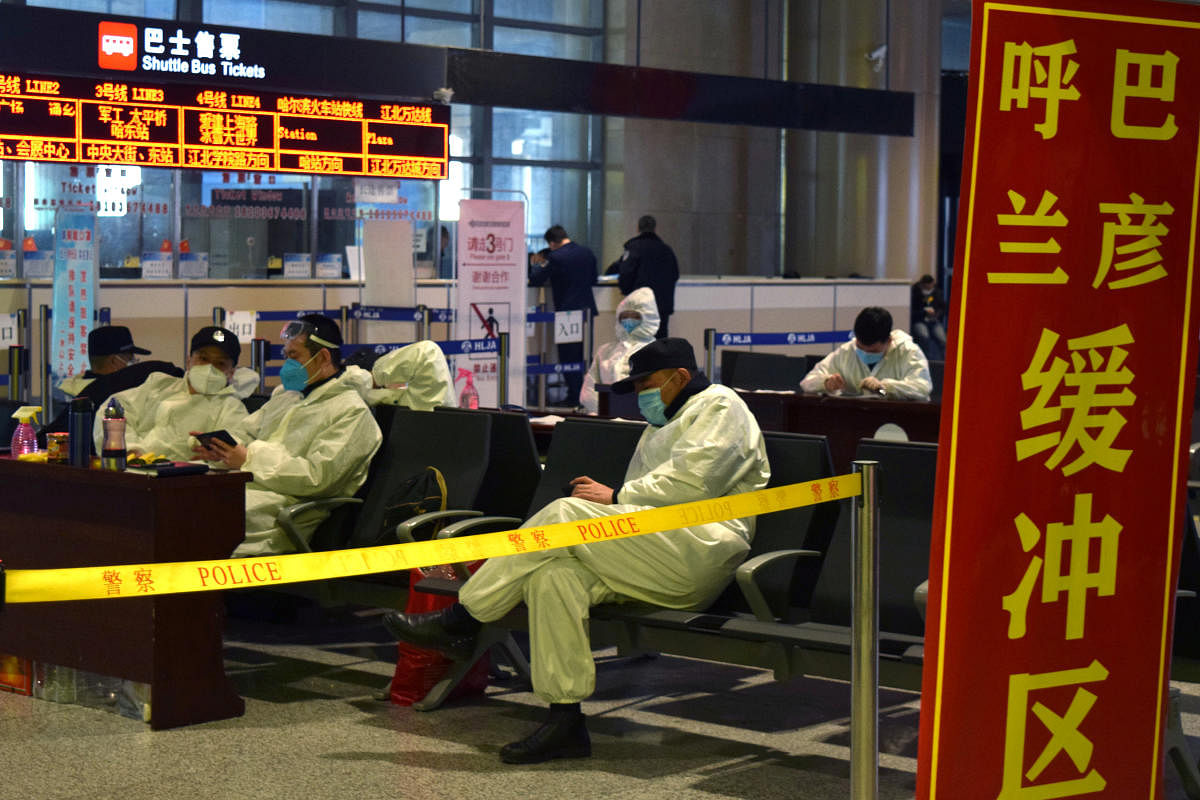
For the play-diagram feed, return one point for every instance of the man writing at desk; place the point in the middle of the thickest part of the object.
(878, 361)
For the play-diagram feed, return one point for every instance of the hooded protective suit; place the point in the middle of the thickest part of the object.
(710, 447)
(611, 362)
(416, 376)
(903, 370)
(301, 447)
(161, 413)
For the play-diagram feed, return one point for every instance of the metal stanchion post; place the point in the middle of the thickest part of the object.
(710, 352)
(502, 372)
(258, 362)
(16, 360)
(344, 319)
(587, 336)
(422, 322)
(864, 638)
(44, 362)
(218, 316)
(23, 339)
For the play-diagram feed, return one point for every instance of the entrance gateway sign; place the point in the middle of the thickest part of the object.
(148, 93)
(1067, 413)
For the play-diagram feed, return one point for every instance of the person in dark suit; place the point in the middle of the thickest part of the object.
(649, 261)
(113, 367)
(570, 269)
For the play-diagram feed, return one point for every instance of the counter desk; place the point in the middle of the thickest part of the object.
(844, 420)
(55, 517)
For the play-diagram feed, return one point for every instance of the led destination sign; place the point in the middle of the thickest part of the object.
(82, 120)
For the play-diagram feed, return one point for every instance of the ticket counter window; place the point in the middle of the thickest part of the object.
(243, 225)
(133, 208)
(344, 204)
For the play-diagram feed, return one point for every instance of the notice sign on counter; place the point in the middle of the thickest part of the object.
(8, 264)
(156, 265)
(1067, 412)
(75, 258)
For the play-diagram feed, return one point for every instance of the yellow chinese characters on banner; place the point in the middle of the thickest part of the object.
(1066, 414)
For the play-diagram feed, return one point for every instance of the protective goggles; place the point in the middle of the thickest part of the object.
(299, 327)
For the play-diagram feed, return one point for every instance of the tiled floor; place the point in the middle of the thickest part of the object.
(660, 727)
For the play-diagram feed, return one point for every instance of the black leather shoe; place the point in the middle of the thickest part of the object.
(436, 630)
(559, 737)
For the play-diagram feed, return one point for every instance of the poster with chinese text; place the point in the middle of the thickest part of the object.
(1067, 409)
(75, 260)
(491, 293)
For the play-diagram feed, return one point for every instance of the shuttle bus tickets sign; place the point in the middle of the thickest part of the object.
(1061, 465)
(84, 120)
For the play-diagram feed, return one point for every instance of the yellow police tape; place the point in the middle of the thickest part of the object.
(151, 580)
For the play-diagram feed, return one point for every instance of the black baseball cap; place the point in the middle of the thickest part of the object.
(222, 338)
(110, 340)
(668, 353)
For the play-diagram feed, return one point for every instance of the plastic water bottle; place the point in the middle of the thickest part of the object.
(112, 454)
(24, 438)
(469, 397)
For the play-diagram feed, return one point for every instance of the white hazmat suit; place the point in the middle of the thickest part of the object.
(903, 370)
(161, 412)
(302, 447)
(611, 362)
(712, 446)
(415, 376)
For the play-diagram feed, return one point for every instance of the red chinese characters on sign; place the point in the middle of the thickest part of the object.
(1060, 485)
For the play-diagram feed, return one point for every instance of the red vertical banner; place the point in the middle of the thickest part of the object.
(1067, 411)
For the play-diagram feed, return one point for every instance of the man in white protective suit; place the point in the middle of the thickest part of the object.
(637, 322)
(702, 442)
(314, 438)
(414, 376)
(877, 362)
(163, 410)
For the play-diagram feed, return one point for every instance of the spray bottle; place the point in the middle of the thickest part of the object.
(468, 398)
(24, 438)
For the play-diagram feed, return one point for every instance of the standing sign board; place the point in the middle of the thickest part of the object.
(491, 291)
(1067, 414)
(75, 259)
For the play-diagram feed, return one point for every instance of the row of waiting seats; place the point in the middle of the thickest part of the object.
(788, 610)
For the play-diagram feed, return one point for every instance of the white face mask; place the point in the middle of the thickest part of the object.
(206, 379)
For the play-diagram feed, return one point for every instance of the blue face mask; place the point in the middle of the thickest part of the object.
(293, 374)
(629, 324)
(870, 359)
(651, 404)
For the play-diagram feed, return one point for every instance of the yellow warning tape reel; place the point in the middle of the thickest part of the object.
(150, 580)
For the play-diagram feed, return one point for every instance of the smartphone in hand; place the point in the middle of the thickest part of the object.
(206, 439)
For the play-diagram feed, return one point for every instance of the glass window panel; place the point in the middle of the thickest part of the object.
(451, 190)
(8, 234)
(275, 15)
(461, 6)
(461, 119)
(380, 25)
(133, 207)
(443, 32)
(542, 135)
(587, 13)
(546, 44)
(556, 197)
(162, 9)
(246, 221)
